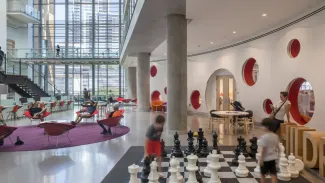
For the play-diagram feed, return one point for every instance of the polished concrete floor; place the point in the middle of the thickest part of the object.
(91, 163)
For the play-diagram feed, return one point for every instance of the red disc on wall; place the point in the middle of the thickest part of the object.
(294, 48)
(155, 95)
(248, 71)
(195, 99)
(165, 90)
(266, 106)
(153, 71)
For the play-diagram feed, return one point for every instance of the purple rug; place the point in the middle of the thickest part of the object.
(84, 133)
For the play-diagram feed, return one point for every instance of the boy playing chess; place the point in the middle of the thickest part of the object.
(269, 143)
(152, 141)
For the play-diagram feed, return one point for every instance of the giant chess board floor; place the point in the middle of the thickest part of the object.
(227, 172)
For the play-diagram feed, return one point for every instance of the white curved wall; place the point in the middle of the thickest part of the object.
(276, 68)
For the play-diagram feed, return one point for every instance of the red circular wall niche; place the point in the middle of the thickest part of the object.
(195, 99)
(248, 71)
(293, 89)
(294, 48)
(155, 95)
(153, 71)
(267, 107)
(165, 90)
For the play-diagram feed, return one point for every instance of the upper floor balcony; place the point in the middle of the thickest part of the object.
(22, 13)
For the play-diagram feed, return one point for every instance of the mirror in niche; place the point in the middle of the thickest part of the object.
(250, 71)
(306, 101)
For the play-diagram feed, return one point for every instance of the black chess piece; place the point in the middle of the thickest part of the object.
(253, 147)
(177, 152)
(198, 173)
(190, 149)
(163, 151)
(204, 151)
(19, 142)
(146, 169)
(239, 139)
(215, 143)
(190, 135)
(243, 149)
(199, 139)
(234, 161)
(175, 138)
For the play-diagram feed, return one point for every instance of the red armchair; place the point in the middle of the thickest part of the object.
(69, 104)
(91, 116)
(61, 104)
(55, 129)
(6, 131)
(31, 118)
(111, 122)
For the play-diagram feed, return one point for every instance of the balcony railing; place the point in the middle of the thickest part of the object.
(23, 8)
(129, 8)
(70, 53)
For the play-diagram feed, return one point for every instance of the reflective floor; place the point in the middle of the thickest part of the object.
(91, 163)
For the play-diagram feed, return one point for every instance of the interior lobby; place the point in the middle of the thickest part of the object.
(83, 84)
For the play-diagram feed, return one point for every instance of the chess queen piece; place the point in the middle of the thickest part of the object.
(284, 174)
(192, 168)
(133, 170)
(214, 167)
(215, 143)
(153, 175)
(241, 170)
(253, 147)
(292, 166)
(163, 151)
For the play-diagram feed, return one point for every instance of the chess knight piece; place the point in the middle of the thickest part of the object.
(163, 151)
(253, 147)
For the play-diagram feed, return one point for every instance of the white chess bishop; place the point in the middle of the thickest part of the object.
(191, 168)
(133, 170)
(153, 175)
(292, 166)
(241, 170)
(214, 166)
(284, 174)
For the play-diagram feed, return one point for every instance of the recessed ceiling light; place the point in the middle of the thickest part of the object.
(211, 42)
(264, 14)
(234, 32)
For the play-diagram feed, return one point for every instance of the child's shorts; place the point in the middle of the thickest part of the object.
(269, 167)
(153, 147)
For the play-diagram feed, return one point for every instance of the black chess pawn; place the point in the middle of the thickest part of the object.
(198, 173)
(234, 161)
(177, 152)
(204, 151)
(190, 149)
(163, 151)
(215, 143)
(243, 149)
(253, 147)
(146, 169)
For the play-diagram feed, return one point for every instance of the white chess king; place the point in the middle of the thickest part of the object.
(191, 168)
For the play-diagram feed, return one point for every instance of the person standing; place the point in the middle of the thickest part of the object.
(280, 110)
(2, 56)
(57, 51)
(85, 92)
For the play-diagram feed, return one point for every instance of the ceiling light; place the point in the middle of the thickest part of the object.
(211, 42)
(264, 14)
(234, 32)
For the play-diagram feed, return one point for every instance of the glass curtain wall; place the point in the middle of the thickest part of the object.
(82, 29)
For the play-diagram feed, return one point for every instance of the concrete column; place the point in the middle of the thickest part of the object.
(132, 82)
(177, 72)
(143, 81)
(3, 25)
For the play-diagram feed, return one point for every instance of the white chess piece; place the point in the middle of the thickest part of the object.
(257, 170)
(281, 154)
(173, 170)
(292, 166)
(153, 175)
(284, 174)
(192, 168)
(133, 170)
(241, 170)
(180, 178)
(214, 166)
(207, 170)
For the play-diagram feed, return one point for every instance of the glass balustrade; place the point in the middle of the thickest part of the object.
(129, 7)
(27, 9)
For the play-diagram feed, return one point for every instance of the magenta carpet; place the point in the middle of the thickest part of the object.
(34, 138)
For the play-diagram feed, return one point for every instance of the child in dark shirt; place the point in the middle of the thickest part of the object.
(152, 142)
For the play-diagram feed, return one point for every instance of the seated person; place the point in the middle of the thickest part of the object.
(36, 111)
(2, 121)
(86, 112)
(115, 113)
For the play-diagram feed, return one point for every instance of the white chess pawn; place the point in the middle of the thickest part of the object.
(284, 174)
(133, 170)
(241, 170)
(214, 166)
(173, 170)
(207, 170)
(257, 170)
(191, 168)
(180, 178)
(292, 166)
(153, 175)
(281, 155)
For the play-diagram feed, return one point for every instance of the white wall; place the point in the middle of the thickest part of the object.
(276, 68)
(159, 82)
(22, 38)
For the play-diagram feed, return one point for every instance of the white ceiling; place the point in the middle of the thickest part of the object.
(215, 20)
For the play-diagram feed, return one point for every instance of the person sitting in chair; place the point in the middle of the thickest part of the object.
(86, 112)
(116, 113)
(2, 121)
(36, 111)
